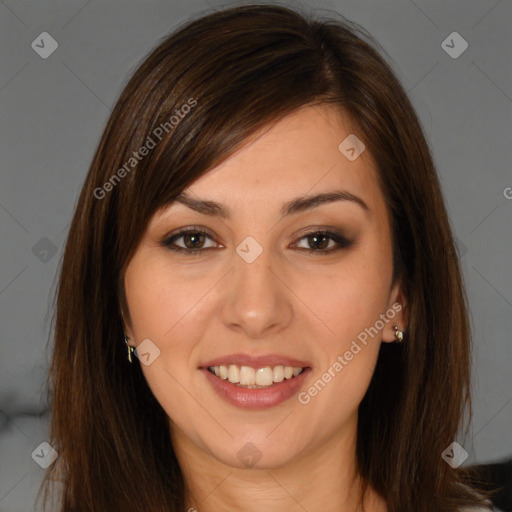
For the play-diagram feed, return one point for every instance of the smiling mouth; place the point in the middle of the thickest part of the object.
(254, 378)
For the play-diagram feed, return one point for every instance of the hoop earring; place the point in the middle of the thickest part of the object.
(398, 334)
(130, 349)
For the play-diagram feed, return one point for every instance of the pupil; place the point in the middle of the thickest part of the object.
(321, 237)
(194, 243)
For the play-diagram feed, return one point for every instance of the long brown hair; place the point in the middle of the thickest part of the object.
(192, 103)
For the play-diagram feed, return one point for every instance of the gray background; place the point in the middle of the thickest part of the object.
(53, 112)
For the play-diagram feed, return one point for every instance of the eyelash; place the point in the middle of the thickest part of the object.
(342, 242)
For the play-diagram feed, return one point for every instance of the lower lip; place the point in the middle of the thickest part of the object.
(256, 398)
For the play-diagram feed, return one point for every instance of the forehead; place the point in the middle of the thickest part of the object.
(299, 155)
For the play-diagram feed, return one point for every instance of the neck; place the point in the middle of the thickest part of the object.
(323, 480)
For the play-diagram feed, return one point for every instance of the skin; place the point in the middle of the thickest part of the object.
(288, 301)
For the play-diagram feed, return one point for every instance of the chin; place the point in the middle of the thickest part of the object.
(253, 454)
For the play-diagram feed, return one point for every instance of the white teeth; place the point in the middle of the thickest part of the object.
(278, 374)
(255, 377)
(234, 374)
(247, 375)
(264, 376)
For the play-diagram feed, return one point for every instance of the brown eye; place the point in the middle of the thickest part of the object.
(193, 241)
(318, 242)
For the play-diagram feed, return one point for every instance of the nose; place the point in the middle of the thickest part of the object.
(257, 301)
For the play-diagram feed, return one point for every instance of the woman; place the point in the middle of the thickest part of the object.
(263, 221)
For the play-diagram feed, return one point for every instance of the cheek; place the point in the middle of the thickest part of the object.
(162, 309)
(340, 391)
(348, 298)
(168, 308)
(348, 341)
(160, 300)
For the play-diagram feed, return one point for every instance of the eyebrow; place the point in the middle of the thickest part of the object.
(296, 205)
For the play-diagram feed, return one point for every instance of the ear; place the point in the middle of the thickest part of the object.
(127, 329)
(396, 312)
(125, 315)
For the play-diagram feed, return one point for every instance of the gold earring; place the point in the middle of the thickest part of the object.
(398, 334)
(130, 349)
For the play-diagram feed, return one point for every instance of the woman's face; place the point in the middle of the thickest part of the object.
(262, 296)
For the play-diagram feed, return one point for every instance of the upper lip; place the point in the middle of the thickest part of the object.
(256, 361)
